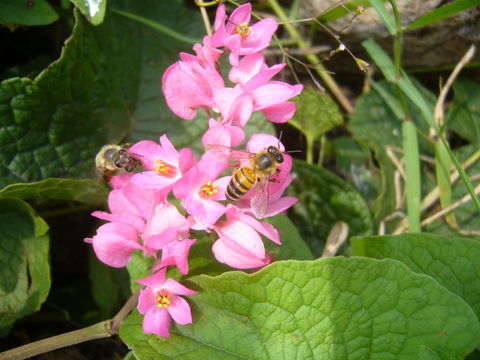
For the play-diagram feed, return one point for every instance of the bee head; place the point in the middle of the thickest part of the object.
(276, 153)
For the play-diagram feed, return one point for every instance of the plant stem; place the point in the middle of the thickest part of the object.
(97, 331)
(314, 60)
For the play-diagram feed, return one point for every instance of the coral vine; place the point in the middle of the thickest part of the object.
(142, 217)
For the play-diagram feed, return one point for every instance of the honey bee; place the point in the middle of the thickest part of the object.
(113, 157)
(255, 177)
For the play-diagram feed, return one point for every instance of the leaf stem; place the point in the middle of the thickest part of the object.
(100, 330)
(313, 58)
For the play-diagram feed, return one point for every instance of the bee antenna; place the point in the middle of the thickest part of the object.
(292, 151)
(280, 138)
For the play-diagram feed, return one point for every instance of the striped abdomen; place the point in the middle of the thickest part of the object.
(242, 181)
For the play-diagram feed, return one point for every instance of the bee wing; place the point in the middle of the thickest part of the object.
(228, 154)
(259, 200)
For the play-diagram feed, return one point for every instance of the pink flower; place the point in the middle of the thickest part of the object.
(175, 253)
(200, 190)
(255, 92)
(222, 134)
(159, 302)
(237, 35)
(189, 83)
(164, 164)
(114, 243)
(130, 203)
(239, 244)
(166, 225)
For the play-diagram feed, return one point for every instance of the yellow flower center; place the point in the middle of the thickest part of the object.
(208, 189)
(164, 169)
(243, 29)
(163, 300)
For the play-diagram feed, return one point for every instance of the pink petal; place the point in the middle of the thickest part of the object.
(274, 92)
(180, 311)
(280, 205)
(280, 113)
(146, 300)
(239, 235)
(170, 154)
(176, 288)
(147, 152)
(260, 36)
(157, 321)
(186, 160)
(246, 68)
(158, 241)
(114, 250)
(239, 16)
(259, 142)
(152, 180)
(176, 254)
(266, 229)
(262, 77)
(236, 258)
(154, 281)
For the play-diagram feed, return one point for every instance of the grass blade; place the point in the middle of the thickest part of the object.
(442, 173)
(443, 12)
(412, 172)
(381, 59)
(385, 15)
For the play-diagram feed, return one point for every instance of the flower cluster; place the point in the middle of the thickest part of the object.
(142, 216)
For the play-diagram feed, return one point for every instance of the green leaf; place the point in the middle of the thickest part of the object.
(139, 268)
(385, 15)
(54, 125)
(93, 10)
(87, 191)
(353, 161)
(293, 247)
(316, 114)
(443, 12)
(428, 354)
(25, 270)
(452, 261)
(324, 199)
(106, 289)
(353, 308)
(29, 13)
(464, 115)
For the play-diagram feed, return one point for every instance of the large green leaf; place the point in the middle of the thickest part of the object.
(333, 308)
(25, 270)
(464, 115)
(452, 261)
(324, 199)
(88, 191)
(293, 247)
(54, 125)
(18, 12)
